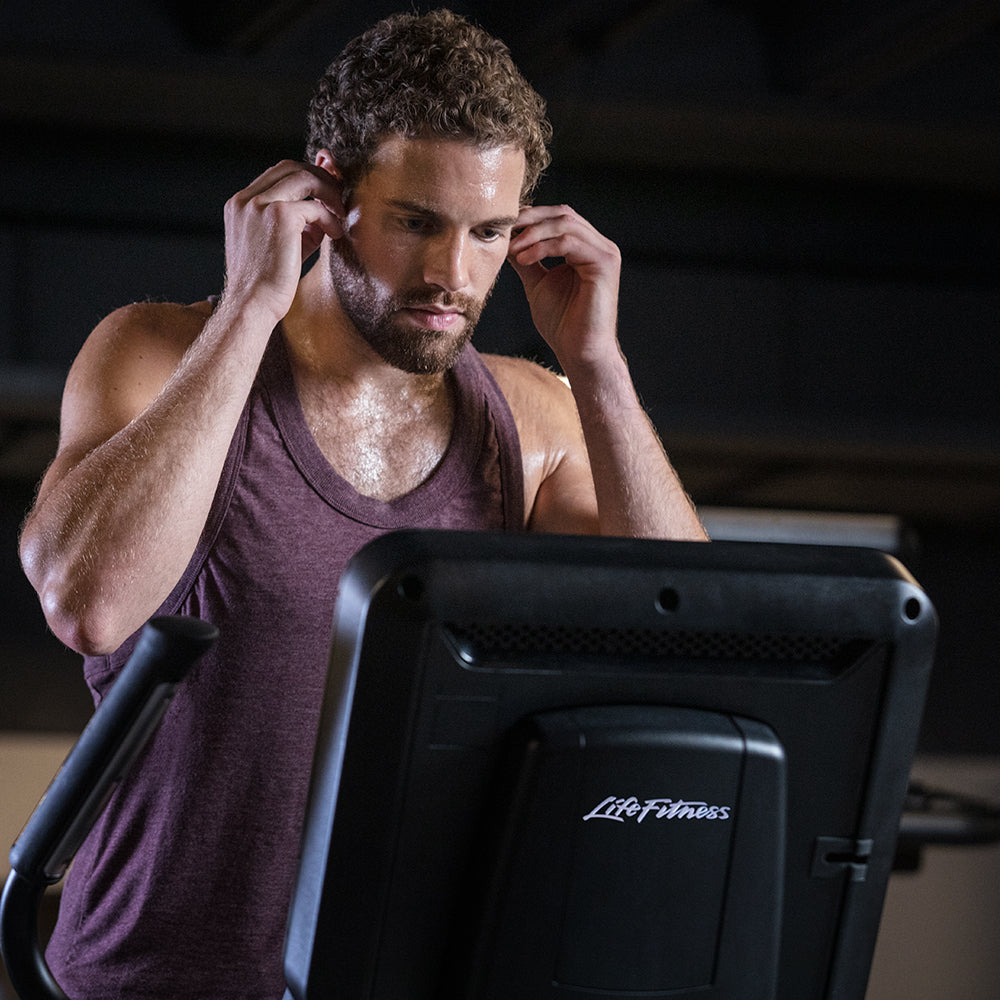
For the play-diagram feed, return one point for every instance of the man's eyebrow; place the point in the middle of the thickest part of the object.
(412, 207)
(503, 222)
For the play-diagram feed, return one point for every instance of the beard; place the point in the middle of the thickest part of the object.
(374, 314)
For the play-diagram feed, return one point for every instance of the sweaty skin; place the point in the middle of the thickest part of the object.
(153, 399)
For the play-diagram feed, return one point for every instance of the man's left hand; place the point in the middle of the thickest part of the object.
(574, 302)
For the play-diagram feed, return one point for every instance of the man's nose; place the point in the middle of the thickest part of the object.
(446, 264)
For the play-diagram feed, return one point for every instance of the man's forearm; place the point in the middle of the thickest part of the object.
(112, 534)
(638, 492)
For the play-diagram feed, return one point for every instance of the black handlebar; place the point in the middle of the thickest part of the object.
(118, 730)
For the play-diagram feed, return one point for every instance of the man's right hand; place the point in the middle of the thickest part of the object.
(148, 415)
(272, 227)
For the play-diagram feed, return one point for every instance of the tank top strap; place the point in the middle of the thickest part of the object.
(481, 414)
(471, 366)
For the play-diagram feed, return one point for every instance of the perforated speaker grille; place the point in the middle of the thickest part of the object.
(488, 643)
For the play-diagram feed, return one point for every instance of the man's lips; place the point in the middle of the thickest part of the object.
(434, 317)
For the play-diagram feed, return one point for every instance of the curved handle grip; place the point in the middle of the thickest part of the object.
(26, 966)
(931, 816)
(108, 745)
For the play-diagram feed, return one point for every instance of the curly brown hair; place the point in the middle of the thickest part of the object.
(411, 74)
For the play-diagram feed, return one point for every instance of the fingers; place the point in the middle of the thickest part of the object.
(273, 225)
(313, 194)
(570, 274)
(291, 180)
(557, 231)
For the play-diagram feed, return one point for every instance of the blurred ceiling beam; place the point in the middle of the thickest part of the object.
(783, 143)
(237, 25)
(558, 36)
(133, 103)
(134, 100)
(850, 47)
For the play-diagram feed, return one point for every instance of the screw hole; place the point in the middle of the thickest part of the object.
(410, 588)
(668, 600)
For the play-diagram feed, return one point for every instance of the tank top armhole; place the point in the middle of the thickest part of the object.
(220, 503)
(216, 514)
(509, 450)
(100, 671)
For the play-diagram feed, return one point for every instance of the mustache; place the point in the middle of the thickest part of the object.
(415, 298)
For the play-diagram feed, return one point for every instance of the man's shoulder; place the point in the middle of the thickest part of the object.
(540, 401)
(133, 348)
(553, 449)
(519, 376)
(146, 337)
(170, 321)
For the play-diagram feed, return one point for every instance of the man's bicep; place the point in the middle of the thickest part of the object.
(119, 371)
(565, 502)
(559, 487)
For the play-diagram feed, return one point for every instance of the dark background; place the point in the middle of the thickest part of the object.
(806, 197)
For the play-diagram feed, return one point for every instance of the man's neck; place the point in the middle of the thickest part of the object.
(325, 345)
(384, 430)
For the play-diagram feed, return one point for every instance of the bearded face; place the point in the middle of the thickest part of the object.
(425, 234)
(419, 330)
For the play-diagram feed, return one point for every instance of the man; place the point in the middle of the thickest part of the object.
(226, 459)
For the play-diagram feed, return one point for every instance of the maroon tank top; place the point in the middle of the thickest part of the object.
(182, 889)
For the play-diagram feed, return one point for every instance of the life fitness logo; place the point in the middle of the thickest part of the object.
(621, 809)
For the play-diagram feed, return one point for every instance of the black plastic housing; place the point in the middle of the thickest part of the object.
(490, 697)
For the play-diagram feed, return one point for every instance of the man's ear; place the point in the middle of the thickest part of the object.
(325, 160)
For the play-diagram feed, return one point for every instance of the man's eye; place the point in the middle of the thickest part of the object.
(489, 234)
(413, 224)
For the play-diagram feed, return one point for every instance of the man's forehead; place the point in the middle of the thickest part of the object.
(433, 160)
(428, 139)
